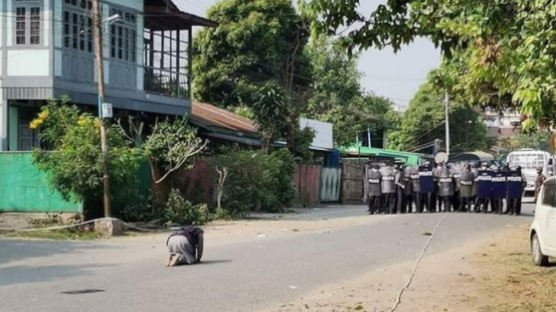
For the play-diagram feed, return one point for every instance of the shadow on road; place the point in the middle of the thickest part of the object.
(215, 261)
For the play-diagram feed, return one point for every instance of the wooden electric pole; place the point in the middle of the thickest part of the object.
(97, 31)
(447, 106)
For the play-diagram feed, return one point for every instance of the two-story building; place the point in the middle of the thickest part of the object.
(47, 51)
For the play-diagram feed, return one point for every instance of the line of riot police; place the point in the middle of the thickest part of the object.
(443, 188)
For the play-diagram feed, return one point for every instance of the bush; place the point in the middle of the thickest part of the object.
(257, 181)
(72, 157)
(181, 211)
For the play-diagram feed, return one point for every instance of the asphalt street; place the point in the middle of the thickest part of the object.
(244, 275)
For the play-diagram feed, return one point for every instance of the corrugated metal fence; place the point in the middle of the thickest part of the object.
(24, 188)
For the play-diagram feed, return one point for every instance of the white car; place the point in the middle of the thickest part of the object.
(543, 228)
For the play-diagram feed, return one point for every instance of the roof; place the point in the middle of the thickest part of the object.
(408, 158)
(477, 156)
(165, 15)
(207, 115)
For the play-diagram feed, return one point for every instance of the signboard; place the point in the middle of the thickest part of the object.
(107, 110)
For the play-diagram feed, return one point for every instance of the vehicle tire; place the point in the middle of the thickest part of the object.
(538, 258)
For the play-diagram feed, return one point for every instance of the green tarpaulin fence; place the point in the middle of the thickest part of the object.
(24, 188)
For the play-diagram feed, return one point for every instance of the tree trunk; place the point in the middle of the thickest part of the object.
(161, 190)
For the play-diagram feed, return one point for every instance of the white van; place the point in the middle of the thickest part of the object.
(530, 160)
(543, 229)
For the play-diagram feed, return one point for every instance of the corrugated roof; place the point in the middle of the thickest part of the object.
(213, 116)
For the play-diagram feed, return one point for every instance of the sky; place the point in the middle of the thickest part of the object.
(395, 76)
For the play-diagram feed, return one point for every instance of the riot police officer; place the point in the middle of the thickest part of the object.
(475, 188)
(373, 181)
(516, 183)
(484, 189)
(407, 191)
(388, 187)
(466, 182)
(498, 189)
(456, 174)
(400, 189)
(426, 182)
(415, 189)
(445, 188)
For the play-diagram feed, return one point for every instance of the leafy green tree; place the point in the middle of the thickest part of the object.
(497, 53)
(423, 122)
(173, 145)
(539, 140)
(270, 105)
(337, 96)
(256, 41)
(73, 157)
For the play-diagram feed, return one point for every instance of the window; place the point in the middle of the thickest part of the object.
(123, 41)
(28, 21)
(78, 25)
(20, 25)
(548, 193)
(35, 25)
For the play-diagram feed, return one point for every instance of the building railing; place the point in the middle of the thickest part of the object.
(166, 82)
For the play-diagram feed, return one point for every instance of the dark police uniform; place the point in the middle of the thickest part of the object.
(456, 199)
(515, 185)
(426, 182)
(374, 179)
(498, 190)
(484, 190)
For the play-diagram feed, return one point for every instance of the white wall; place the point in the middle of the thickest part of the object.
(323, 132)
(29, 62)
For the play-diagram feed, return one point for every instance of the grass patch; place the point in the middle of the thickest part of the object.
(510, 279)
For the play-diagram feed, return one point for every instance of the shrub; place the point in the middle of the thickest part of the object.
(182, 211)
(72, 156)
(257, 181)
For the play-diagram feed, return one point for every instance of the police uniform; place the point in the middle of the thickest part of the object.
(426, 179)
(475, 188)
(498, 190)
(415, 189)
(407, 191)
(466, 185)
(445, 189)
(515, 184)
(484, 190)
(388, 187)
(456, 199)
(400, 188)
(373, 181)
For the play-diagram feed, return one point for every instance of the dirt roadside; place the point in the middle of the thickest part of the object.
(493, 274)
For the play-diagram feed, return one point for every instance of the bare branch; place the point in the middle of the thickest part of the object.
(192, 151)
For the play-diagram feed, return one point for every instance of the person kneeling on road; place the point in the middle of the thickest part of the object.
(185, 246)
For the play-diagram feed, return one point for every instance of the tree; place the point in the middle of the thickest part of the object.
(337, 96)
(172, 146)
(256, 41)
(270, 105)
(423, 122)
(71, 155)
(501, 52)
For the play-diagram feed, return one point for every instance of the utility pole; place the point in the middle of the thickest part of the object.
(447, 106)
(97, 31)
(369, 136)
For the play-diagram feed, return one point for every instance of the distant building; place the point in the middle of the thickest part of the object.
(502, 125)
(47, 50)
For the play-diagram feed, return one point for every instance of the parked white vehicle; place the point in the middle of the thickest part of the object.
(530, 160)
(543, 228)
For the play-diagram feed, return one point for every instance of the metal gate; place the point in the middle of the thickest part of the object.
(330, 184)
(352, 180)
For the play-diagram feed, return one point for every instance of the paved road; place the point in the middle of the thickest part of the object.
(246, 275)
